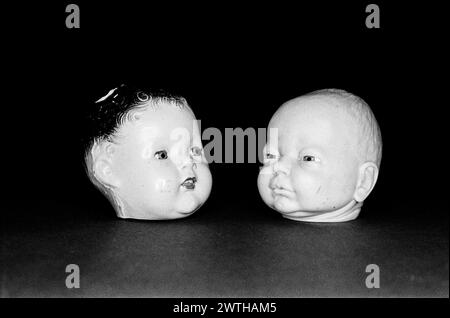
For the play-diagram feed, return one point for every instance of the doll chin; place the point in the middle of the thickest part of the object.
(284, 206)
(188, 204)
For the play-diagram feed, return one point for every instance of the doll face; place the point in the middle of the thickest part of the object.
(311, 159)
(159, 165)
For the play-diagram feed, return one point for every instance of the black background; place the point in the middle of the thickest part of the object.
(235, 65)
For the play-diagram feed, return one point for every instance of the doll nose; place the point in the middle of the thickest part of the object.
(187, 162)
(281, 166)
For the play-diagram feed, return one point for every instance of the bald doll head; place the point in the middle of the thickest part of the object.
(322, 157)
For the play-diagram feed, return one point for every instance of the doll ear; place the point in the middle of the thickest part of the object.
(102, 165)
(368, 175)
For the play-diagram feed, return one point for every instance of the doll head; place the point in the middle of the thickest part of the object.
(144, 153)
(322, 157)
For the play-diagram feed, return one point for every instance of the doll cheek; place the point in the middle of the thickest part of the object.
(160, 185)
(263, 182)
(264, 176)
(204, 178)
(266, 170)
(264, 189)
(163, 185)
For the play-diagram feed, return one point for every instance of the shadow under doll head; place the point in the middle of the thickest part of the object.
(144, 153)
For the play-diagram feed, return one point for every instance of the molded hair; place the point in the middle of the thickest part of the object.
(109, 113)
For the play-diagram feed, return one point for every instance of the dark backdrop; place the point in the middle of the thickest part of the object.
(236, 65)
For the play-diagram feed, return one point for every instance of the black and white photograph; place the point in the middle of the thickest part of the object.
(224, 157)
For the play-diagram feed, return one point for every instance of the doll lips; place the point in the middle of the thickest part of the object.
(278, 189)
(282, 192)
(189, 183)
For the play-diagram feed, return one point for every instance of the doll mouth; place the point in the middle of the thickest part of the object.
(279, 189)
(189, 183)
(282, 192)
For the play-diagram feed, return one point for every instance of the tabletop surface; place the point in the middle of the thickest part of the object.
(220, 252)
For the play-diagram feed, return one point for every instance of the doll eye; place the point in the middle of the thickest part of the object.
(309, 158)
(270, 156)
(196, 151)
(161, 155)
